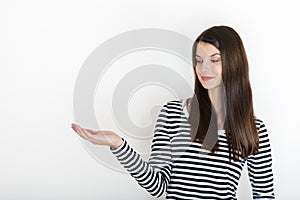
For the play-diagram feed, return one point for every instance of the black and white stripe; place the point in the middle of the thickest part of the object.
(184, 170)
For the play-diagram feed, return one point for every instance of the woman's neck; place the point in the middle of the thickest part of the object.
(217, 98)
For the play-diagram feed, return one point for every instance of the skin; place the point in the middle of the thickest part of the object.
(101, 137)
(208, 59)
(208, 65)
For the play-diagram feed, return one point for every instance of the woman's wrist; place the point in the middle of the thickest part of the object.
(118, 143)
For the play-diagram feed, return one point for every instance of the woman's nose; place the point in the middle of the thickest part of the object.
(206, 66)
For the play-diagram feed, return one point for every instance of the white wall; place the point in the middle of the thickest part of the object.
(43, 45)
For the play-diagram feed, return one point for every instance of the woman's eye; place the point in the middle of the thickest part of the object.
(198, 61)
(214, 61)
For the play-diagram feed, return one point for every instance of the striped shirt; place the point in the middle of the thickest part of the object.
(184, 170)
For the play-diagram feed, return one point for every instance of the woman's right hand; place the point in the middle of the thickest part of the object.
(101, 137)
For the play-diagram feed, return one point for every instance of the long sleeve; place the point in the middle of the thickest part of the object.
(260, 167)
(153, 175)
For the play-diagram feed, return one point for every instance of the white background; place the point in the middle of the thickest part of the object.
(43, 45)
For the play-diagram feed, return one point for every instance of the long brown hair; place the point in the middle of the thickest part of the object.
(239, 125)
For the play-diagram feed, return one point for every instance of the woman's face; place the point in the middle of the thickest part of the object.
(208, 65)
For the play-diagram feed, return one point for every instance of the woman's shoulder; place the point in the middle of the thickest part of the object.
(261, 129)
(177, 102)
(174, 103)
(259, 123)
(173, 107)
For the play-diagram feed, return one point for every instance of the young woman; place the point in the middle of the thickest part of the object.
(201, 144)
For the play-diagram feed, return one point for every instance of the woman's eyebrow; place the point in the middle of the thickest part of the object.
(210, 55)
(215, 54)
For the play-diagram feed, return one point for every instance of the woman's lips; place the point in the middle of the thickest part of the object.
(206, 78)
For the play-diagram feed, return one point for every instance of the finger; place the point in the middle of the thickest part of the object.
(74, 127)
(79, 132)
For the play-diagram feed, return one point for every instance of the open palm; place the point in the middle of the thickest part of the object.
(101, 137)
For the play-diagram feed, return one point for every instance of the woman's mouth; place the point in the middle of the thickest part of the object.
(206, 78)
